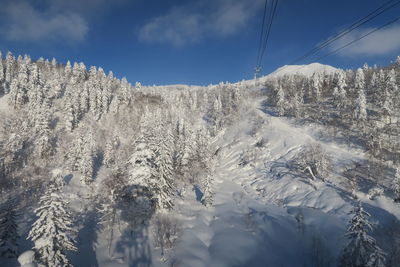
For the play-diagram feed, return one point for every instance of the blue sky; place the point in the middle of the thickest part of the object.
(191, 42)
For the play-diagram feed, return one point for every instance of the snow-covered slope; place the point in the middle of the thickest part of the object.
(267, 210)
(264, 214)
(305, 70)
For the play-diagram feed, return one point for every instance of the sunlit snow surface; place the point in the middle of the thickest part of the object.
(255, 220)
(304, 70)
(263, 215)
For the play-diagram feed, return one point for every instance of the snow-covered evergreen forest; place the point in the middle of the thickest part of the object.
(297, 168)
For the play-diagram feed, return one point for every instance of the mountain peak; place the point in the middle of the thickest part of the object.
(304, 70)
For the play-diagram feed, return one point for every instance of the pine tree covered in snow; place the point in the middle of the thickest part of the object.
(151, 163)
(360, 112)
(181, 147)
(359, 80)
(8, 231)
(19, 86)
(362, 250)
(110, 151)
(296, 104)
(208, 193)
(36, 92)
(386, 104)
(165, 186)
(316, 86)
(44, 147)
(86, 159)
(52, 233)
(145, 172)
(374, 82)
(391, 83)
(143, 169)
(339, 92)
(280, 101)
(9, 70)
(69, 116)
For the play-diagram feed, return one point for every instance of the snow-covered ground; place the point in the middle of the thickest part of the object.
(263, 215)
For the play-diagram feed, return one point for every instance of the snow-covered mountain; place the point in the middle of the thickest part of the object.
(304, 70)
(277, 172)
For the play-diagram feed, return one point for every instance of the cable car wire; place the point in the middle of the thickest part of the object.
(381, 9)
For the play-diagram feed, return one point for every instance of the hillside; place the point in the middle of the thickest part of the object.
(258, 173)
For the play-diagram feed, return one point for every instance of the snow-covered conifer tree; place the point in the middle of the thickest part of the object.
(9, 71)
(391, 84)
(362, 248)
(360, 112)
(52, 233)
(19, 86)
(181, 146)
(67, 72)
(115, 104)
(37, 92)
(74, 153)
(280, 101)
(69, 116)
(138, 86)
(85, 97)
(43, 142)
(86, 163)
(108, 158)
(143, 169)
(316, 86)
(208, 194)
(53, 64)
(386, 104)
(359, 80)
(339, 92)
(381, 79)
(164, 164)
(342, 89)
(374, 84)
(125, 91)
(100, 87)
(149, 163)
(109, 152)
(8, 231)
(106, 94)
(297, 102)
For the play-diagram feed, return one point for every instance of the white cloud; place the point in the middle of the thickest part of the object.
(23, 22)
(192, 23)
(381, 42)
